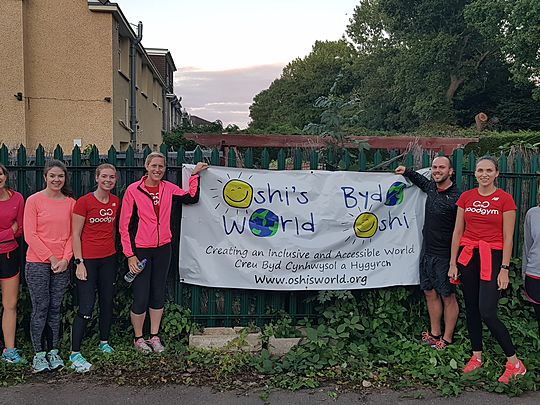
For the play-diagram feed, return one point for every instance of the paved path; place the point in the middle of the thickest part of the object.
(85, 393)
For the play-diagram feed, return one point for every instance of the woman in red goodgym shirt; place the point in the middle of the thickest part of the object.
(94, 222)
(483, 238)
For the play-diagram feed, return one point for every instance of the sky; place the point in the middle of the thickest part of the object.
(227, 51)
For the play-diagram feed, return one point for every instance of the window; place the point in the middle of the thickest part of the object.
(150, 85)
(126, 112)
(143, 79)
(123, 55)
(139, 68)
(124, 121)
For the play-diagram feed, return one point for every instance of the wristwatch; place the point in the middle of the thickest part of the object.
(505, 266)
(78, 261)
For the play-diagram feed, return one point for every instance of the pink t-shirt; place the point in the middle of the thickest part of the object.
(11, 210)
(47, 228)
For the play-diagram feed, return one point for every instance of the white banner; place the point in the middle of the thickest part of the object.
(301, 230)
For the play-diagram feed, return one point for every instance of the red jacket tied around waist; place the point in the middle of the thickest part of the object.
(484, 249)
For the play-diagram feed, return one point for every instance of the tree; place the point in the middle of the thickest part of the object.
(176, 138)
(513, 27)
(423, 62)
(414, 64)
(289, 101)
(434, 52)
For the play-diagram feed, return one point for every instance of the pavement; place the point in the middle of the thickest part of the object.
(88, 393)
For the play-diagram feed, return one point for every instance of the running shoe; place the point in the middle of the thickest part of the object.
(156, 345)
(12, 356)
(79, 363)
(141, 346)
(40, 363)
(105, 347)
(472, 364)
(511, 371)
(440, 344)
(55, 361)
(429, 339)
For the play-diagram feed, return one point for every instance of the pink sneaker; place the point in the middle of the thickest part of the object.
(473, 364)
(156, 345)
(512, 371)
(141, 346)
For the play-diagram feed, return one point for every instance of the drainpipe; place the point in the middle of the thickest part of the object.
(133, 81)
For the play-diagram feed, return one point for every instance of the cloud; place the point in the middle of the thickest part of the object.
(225, 94)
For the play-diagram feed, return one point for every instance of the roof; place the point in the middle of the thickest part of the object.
(162, 52)
(199, 121)
(446, 144)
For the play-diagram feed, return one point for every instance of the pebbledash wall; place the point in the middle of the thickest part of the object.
(229, 307)
(66, 77)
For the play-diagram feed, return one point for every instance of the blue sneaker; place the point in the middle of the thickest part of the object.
(79, 363)
(12, 356)
(105, 347)
(40, 363)
(55, 361)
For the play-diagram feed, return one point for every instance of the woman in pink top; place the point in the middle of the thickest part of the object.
(47, 220)
(11, 222)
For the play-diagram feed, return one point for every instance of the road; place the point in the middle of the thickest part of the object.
(84, 393)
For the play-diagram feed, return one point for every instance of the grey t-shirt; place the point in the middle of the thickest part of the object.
(531, 243)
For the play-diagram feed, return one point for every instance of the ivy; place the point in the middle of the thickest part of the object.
(364, 338)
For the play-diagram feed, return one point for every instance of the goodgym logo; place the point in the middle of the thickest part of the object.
(482, 208)
(106, 215)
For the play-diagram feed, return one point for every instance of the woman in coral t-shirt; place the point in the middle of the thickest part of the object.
(94, 224)
(483, 238)
(47, 223)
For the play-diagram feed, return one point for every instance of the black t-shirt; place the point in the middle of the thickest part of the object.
(440, 217)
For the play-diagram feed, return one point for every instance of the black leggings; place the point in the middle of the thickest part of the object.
(149, 286)
(100, 275)
(481, 298)
(537, 312)
(532, 287)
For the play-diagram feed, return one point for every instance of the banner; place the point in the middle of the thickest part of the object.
(301, 230)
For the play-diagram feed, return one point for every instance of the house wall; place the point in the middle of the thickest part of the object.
(150, 113)
(67, 74)
(12, 111)
(121, 86)
(72, 66)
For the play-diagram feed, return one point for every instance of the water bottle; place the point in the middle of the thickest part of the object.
(129, 277)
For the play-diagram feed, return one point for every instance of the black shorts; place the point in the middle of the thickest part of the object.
(434, 275)
(9, 264)
(532, 287)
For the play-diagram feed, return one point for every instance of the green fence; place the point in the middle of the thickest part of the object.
(229, 307)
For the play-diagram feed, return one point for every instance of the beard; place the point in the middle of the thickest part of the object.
(442, 179)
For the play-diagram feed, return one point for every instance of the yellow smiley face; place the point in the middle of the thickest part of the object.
(365, 225)
(238, 194)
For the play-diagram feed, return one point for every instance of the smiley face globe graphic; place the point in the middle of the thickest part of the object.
(365, 225)
(238, 193)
